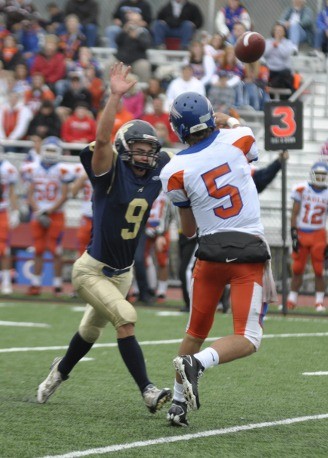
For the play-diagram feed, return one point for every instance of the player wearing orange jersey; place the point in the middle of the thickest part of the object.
(308, 232)
(83, 183)
(211, 184)
(46, 195)
(9, 217)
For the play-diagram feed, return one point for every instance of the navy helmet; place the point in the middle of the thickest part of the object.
(319, 174)
(191, 112)
(137, 131)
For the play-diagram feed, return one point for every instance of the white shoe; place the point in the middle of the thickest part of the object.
(155, 398)
(6, 289)
(320, 308)
(51, 383)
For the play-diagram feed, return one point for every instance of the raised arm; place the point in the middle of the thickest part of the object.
(102, 158)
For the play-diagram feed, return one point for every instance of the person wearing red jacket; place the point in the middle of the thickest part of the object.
(80, 126)
(50, 62)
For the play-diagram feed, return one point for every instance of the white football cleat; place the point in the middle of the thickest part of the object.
(320, 308)
(51, 383)
(6, 289)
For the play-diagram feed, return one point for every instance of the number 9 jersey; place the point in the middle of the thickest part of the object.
(214, 178)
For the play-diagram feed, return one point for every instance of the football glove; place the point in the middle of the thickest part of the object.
(43, 218)
(295, 241)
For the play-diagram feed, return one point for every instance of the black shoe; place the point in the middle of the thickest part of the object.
(155, 398)
(184, 309)
(177, 414)
(146, 299)
(190, 370)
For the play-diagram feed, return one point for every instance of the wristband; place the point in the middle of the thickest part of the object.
(232, 122)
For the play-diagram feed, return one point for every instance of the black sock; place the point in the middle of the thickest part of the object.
(78, 348)
(133, 358)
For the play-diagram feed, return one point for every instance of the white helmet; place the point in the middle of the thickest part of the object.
(319, 175)
(51, 150)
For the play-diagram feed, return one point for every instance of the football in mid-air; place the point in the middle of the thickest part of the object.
(250, 47)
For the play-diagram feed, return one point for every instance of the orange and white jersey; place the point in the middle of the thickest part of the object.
(214, 178)
(48, 182)
(314, 206)
(159, 217)
(8, 176)
(87, 190)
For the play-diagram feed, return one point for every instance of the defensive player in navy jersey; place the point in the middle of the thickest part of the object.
(125, 180)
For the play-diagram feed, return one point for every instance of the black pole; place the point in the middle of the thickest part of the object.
(284, 233)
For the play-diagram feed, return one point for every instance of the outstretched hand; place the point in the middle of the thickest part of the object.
(119, 83)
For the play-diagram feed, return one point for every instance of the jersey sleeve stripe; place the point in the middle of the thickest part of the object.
(244, 143)
(176, 181)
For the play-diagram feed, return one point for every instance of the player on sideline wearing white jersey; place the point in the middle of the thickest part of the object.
(211, 184)
(308, 232)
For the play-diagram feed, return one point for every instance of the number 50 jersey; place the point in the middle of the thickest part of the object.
(213, 177)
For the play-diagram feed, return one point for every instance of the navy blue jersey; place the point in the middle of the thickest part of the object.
(121, 205)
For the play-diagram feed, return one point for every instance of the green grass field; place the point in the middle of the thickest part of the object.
(261, 406)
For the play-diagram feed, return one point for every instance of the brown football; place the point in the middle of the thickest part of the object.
(250, 47)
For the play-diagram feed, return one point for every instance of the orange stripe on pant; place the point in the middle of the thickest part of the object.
(209, 280)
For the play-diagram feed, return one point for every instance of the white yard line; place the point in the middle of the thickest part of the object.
(24, 324)
(187, 437)
(156, 342)
(316, 373)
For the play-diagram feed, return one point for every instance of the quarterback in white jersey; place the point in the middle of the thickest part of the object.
(9, 217)
(308, 232)
(211, 184)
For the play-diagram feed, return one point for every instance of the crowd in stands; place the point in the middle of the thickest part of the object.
(50, 82)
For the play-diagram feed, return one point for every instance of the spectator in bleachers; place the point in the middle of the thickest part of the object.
(187, 82)
(95, 86)
(33, 154)
(14, 117)
(9, 217)
(134, 11)
(256, 77)
(56, 18)
(10, 54)
(321, 34)
(132, 44)
(122, 116)
(134, 99)
(3, 30)
(163, 135)
(238, 30)
(84, 60)
(18, 11)
(227, 16)
(159, 115)
(87, 12)
(80, 127)
(227, 87)
(299, 22)
(153, 90)
(203, 65)
(177, 19)
(71, 38)
(37, 92)
(46, 122)
(75, 93)
(50, 62)
(31, 37)
(215, 48)
(22, 79)
(277, 54)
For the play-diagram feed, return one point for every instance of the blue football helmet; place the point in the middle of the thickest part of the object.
(137, 131)
(191, 112)
(50, 150)
(319, 175)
